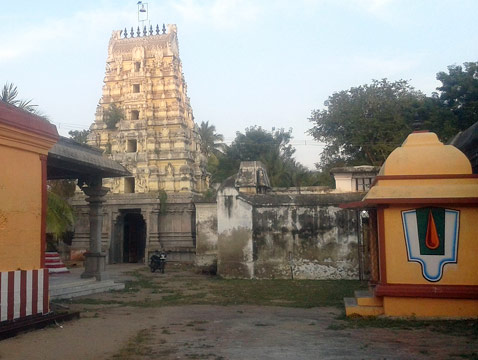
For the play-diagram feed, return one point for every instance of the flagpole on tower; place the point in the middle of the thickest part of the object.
(143, 16)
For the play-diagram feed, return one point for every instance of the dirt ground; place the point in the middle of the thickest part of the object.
(157, 318)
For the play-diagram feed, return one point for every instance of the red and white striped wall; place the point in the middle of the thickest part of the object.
(23, 293)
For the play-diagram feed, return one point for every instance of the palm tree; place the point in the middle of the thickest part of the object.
(9, 95)
(211, 142)
(59, 217)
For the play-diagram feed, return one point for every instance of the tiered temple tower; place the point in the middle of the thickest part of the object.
(144, 119)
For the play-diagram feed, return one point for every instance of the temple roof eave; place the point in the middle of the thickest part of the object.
(71, 160)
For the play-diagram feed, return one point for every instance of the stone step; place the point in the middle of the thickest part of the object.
(85, 287)
(78, 284)
(366, 298)
(352, 308)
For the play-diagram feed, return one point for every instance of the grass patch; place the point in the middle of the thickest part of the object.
(472, 356)
(88, 301)
(142, 281)
(288, 293)
(467, 328)
(176, 289)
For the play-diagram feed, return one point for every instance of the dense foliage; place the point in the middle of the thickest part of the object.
(112, 115)
(459, 93)
(80, 136)
(364, 124)
(273, 148)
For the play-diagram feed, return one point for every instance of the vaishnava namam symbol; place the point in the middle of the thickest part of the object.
(431, 236)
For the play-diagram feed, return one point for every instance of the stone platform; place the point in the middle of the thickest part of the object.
(70, 285)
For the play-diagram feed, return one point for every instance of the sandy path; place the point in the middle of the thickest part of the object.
(215, 332)
(227, 332)
(91, 337)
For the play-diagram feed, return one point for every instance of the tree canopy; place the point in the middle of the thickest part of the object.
(273, 148)
(459, 93)
(364, 124)
(112, 115)
(80, 136)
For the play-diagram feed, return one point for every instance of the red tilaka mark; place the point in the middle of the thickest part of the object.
(432, 241)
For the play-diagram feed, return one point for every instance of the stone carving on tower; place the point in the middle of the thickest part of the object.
(144, 119)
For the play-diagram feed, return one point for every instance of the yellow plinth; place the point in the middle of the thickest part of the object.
(423, 307)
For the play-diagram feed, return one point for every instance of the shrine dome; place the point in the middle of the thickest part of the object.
(423, 154)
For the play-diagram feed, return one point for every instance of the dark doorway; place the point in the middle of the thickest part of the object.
(134, 238)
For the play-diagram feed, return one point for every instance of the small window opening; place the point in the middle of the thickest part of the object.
(131, 146)
(136, 88)
(137, 66)
(363, 184)
(129, 185)
(134, 115)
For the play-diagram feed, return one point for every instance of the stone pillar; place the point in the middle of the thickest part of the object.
(374, 257)
(94, 259)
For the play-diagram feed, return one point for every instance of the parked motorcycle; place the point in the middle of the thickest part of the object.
(158, 261)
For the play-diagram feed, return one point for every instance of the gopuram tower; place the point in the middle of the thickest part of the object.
(144, 121)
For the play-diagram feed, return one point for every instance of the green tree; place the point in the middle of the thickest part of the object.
(60, 216)
(80, 136)
(273, 148)
(459, 93)
(364, 124)
(112, 115)
(211, 141)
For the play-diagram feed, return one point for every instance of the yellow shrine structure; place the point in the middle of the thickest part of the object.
(24, 143)
(423, 208)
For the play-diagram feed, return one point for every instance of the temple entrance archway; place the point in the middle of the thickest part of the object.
(129, 238)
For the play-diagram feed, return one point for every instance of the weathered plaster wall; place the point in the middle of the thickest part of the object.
(234, 227)
(206, 234)
(274, 236)
(305, 242)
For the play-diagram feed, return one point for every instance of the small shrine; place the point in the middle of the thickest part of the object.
(423, 209)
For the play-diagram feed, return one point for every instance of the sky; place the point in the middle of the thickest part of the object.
(246, 62)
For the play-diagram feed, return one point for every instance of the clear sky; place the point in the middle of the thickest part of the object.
(246, 62)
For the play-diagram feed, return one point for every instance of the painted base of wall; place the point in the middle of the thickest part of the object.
(23, 293)
(429, 307)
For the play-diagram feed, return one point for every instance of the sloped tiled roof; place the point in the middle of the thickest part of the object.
(69, 159)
